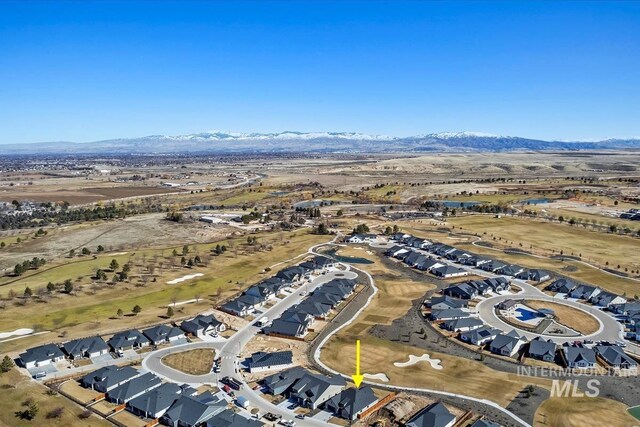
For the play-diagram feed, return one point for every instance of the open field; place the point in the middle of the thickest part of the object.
(84, 314)
(16, 389)
(575, 319)
(599, 247)
(579, 271)
(392, 302)
(193, 362)
(584, 411)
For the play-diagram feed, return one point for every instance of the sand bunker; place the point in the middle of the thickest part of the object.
(119, 253)
(435, 363)
(183, 278)
(17, 332)
(381, 377)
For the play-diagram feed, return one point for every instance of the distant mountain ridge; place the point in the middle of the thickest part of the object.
(217, 142)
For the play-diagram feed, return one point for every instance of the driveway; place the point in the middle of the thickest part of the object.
(230, 350)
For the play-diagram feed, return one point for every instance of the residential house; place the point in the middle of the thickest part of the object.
(202, 325)
(156, 402)
(585, 292)
(605, 299)
(134, 388)
(541, 349)
(507, 344)
(288, 329)
(434, 415)
(511, 270)
(463, 325)
(615, 356)
(280, 382)
(445, 301)
(461, 290)
(41, 356)
(484, 423)
(479, 336)
(493, 266)
(394, 250)
(261, 361)
(312, 390)
(292, 274)
(562, 286)
(194, 411)
(498, 284)
(449, 271)
(127, 340)
(351, 402)
(106, 379)
(508, 304)
(449, 314)
(261, 290)
(315, 308)
(361, 238)
(230, 418)
(428, 264)
(579, 357)
(85, 347)
(625, 309)
(237, 308)
(534, 275)
(163, 334)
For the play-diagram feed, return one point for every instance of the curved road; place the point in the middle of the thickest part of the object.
(229, 350)
(609, 328)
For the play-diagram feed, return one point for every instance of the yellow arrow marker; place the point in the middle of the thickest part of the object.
(357, 378)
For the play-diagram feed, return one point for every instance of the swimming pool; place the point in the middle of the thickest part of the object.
(525, 315)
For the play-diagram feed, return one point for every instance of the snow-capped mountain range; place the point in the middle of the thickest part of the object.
(218, 142)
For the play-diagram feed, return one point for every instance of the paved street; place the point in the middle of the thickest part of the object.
(230, 349)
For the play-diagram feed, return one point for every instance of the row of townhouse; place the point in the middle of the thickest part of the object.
(474, 288)
(629, 314)
(317, 391)
(132, 339)
(146, 396)
(259, 294)
(424, 262)
(441, 269)
(297, 320)
(590, 293)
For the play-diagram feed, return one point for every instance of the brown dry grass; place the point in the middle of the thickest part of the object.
(194, 362)
(16, 388)
(573, 318)
(584, 411)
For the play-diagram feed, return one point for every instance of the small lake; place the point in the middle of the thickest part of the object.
(534, 201)
(456, 204)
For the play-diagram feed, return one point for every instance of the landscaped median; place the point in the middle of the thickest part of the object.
(193, 362)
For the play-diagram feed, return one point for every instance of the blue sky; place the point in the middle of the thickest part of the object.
(83, 71)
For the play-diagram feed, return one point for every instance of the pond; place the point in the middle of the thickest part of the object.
(347, 259)
(312, 203)
(535, 201)
(456, 204)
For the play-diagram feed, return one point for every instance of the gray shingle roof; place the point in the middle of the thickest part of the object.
(127, 339)
(191, 411)
(81, 346)
(540, 347)
(105, 378)
(350, 402)
(157, 400)
(435, 415)
(262, 359)
(133, 388)
(41, 353)
(162, 332)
